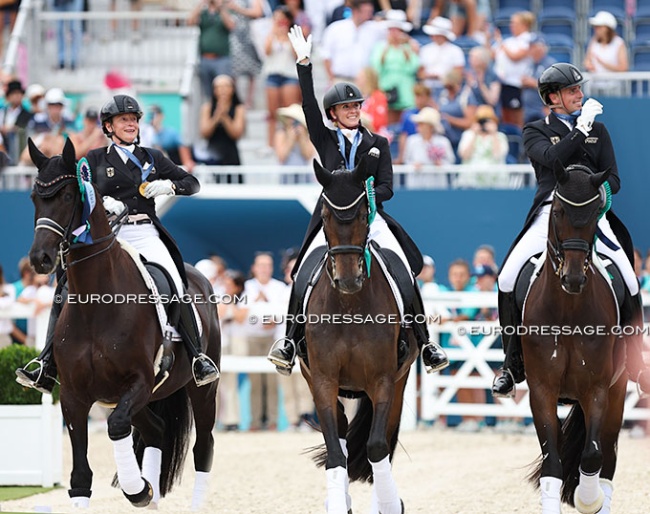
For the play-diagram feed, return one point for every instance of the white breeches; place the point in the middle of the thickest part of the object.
(534, 241)
(146, 240)
(379, 232)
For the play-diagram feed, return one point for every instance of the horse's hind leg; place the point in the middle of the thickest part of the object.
(75, 413)
(150, 428)
(203, 401)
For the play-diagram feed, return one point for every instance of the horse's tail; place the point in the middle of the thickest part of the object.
(572, 442)
(176, 413)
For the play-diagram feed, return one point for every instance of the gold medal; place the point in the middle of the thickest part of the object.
(142, 187)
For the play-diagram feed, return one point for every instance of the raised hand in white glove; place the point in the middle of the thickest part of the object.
(113, 206)
(158, 188)
(590, 110)
(301, 46)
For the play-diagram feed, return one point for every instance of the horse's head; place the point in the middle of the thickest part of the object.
(577, 204)
(58, 207)
(345, 224)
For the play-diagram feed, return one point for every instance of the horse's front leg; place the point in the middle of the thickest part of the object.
(136, 489)
(325, 393)
(75, 413)
(543, 403)
(384, 425)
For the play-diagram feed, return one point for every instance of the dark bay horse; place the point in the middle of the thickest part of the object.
(573, 355)
(105, 349)
(356, 358)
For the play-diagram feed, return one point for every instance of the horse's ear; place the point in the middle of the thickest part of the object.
(38, 157)
(323, 176)
(360, 173)
(69, 158)
(598, 179)
(561, 174)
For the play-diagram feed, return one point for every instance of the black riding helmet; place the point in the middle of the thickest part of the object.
(341, 93)
(119, 104)
(556, 77)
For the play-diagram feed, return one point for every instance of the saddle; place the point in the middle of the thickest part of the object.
(398, 276)
(534, 265)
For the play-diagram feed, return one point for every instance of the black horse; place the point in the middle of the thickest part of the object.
(105, 351)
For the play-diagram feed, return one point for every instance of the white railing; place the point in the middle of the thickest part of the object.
(476, 365)
(514, 176)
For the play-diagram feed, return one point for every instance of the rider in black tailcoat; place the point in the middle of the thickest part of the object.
(568, 134)
(342, 148)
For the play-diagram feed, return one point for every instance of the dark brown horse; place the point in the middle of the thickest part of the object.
(354, 358)
(573, 355)
(105, 349)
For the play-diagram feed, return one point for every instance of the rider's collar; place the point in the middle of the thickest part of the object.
(349, 133)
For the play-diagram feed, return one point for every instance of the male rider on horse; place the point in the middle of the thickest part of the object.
(130, 177)
(570, 135)
(342, 148)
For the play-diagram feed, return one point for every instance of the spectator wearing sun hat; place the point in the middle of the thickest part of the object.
(396, 62)
(606, 52)
(291, 143)
(482, 143)
(14, 118)
(54, 118)
(440, 56)
(428, 147)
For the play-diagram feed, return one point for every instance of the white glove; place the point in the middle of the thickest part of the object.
(113, 206)
(590, 110)
(301, 46)
(158, 188)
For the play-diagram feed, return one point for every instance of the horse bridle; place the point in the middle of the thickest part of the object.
(65, 233)
(577, 244)
(342, 249)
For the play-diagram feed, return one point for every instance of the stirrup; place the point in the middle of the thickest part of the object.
(640, 391)
(282, 365)
(512, 392)
(210, 378)
(34, 384)
(443, 363)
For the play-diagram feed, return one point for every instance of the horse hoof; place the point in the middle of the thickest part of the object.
(143, 498)
(591, 508)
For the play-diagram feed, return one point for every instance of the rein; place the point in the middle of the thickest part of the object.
(343, 249)
(560, 247)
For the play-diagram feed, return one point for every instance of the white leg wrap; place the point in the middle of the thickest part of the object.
(550, 488)
(608, 489)
(588, 496)
(344, 449)
(128, 472)
(80, 502)
(336, 478)
(387, 498)
(151, 463)
(201, 484)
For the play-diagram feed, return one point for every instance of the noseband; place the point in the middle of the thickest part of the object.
(66, 233)
(344, 214)
(577, 244)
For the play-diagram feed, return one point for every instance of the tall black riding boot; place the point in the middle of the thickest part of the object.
(203, 367)
(513, 364)
(433, 357)
(283, 351)
(632, 316)
(43, 377)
